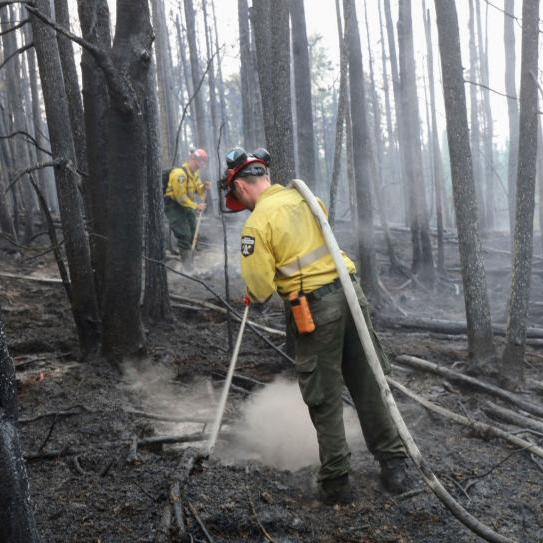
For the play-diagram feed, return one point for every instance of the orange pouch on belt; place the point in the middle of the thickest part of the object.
(301, 313)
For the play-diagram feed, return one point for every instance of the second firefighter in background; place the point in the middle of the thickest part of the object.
(184, 185)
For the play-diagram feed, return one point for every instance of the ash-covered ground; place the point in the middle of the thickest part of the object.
(88, 486)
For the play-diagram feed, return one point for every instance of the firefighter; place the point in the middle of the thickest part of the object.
(179, 205)
(283, 250)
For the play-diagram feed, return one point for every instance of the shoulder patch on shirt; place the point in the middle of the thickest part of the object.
(247, 245)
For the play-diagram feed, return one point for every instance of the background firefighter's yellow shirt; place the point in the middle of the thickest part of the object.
(280, 242)
(182, 187)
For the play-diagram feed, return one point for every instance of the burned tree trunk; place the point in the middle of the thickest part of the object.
(17, 119)
(475, 132)
(272, 37)
(512, 106)
(95, 26)
(84, 304)
(246, 77)
(302, 85)
(436, 151)
(156, 299)
(17, 523)
(512, 362)
(71, 83)
(362, 158)
(489, 204)
(481, 348)
(127, 137)
(196, 71)
(423, 261)
(166, 88)
(396, 89)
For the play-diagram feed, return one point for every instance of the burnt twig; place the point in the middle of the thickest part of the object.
(47, 437)
(199, 521)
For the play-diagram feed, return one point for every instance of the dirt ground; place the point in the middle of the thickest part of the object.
(260, 484)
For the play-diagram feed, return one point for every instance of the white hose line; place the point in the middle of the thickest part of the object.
(224, 396)
(431, 480)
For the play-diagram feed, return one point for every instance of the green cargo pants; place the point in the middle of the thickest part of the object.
(325, 359)
(182, 222)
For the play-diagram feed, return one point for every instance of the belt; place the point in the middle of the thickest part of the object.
(334, 286)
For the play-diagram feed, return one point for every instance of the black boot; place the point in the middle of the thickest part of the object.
(336, 491)
(394, 475)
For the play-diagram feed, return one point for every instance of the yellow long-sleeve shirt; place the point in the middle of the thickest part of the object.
(282, 244)
(183, 184)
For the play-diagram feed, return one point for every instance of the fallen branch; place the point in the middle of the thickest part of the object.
(226, 304)
(219, 309)
(420, 364)
(265, 533)
(40, 166)
(167, 418)
(510, 416)
(199, 521)
(481, 428)
(449, 327)
(49, 433)
(16, 27)
(46, 280)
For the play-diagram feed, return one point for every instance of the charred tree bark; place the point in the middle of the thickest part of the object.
(213, 165)
(397, 91)
(302, 85)
(272, 38)
(512, 361)
(84, 304)
(246, 79)
(17, 523)
(482, 353)
(156, 298)
(71, 83)
(45, 177)
(95, 26)
(166, 89)
(196, 71)
(17, 119)
(512, 106)
(475, 131)
(436, 151)
(363, 157)
(423, 262)
(127, 137)
(377, 155)
(489, 204)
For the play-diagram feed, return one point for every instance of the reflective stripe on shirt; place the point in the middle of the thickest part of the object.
(293, 267)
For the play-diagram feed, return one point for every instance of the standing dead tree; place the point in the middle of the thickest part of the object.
(84, 304)
(302, 86)
(512, 361)
(482, 353)
(270, 22)
(17, 523)
(512, 105)
(125, 68)
(196, 72)
(363, 156)
(436, 151)
(423, 261)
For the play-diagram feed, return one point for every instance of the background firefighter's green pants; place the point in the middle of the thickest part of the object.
(182, 222)
(325, 359)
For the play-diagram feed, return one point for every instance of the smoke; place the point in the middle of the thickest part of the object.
(272, 427)
(275, 429)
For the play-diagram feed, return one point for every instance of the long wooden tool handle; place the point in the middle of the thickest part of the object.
(197, 230)
(226, 389)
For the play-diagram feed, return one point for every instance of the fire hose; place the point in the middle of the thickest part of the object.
(412, 449)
